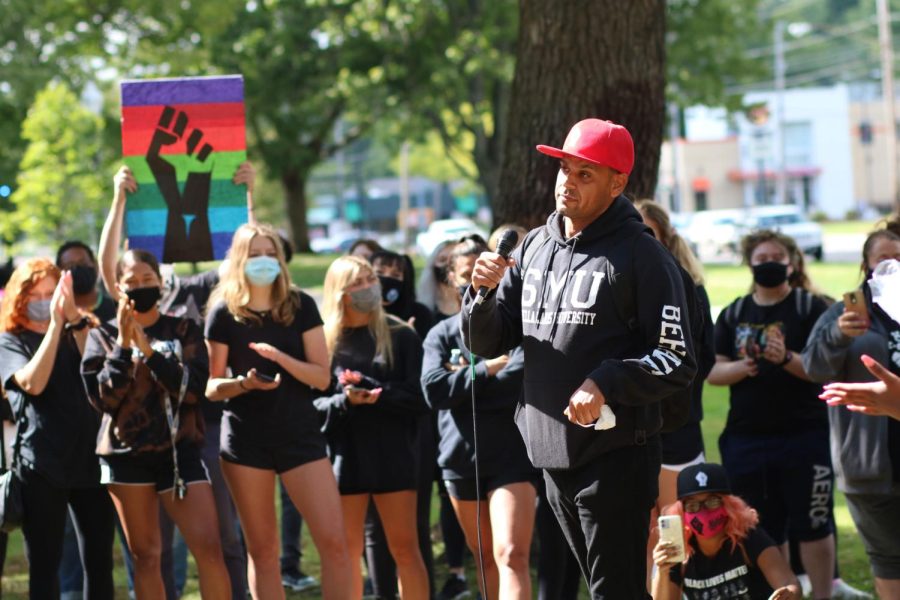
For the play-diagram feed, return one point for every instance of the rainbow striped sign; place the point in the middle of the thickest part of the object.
(184, 139)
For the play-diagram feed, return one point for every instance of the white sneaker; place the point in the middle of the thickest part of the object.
(840, 589)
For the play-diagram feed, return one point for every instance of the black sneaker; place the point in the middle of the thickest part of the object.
(455, 587)
(298, 581)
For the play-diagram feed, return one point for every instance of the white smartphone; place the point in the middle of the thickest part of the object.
(672, 531)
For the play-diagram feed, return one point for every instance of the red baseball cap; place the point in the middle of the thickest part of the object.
(599, 142)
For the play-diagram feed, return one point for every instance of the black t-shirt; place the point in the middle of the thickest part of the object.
(267, 417)
(774, 401)
(188, 298)
(105, 309)
(373, 446)
(58, 427)
(728, 574)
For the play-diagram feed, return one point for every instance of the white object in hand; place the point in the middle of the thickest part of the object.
(671, 530)
(607, 418)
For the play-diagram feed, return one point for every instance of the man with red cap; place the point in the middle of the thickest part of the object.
(599, 308)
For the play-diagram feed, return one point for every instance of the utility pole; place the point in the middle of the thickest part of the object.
(404, 196)
(887, 94)
(674, 135)
(781, 158)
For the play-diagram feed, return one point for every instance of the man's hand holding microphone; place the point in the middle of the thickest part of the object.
(586, 403)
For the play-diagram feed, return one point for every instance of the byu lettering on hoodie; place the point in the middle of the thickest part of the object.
(559, 302)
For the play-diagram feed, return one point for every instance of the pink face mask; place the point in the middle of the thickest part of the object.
(707, 523)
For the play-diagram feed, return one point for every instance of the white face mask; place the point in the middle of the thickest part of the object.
(885, 287)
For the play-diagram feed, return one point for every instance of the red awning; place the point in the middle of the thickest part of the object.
(796, 173)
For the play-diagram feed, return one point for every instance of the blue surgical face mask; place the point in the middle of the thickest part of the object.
(39, 311)
(262, 270)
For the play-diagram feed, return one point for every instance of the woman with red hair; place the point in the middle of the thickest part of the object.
(727, 555)
(40, 355)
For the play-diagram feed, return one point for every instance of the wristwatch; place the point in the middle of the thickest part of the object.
(77, 325)
(787, 358)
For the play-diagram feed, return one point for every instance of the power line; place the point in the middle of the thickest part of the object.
(795, 80)
(823, 37)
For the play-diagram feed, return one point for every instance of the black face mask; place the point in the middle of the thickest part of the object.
(770, 274)
(440, 273)
(144, 298)
(391, 289)
(84, 278)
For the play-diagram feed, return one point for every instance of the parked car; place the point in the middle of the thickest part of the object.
(338, 243)
(443, 230)
(789, 220)
(714, 233)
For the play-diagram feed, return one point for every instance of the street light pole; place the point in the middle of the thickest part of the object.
(887, 94)
(404, 196)
(781, 178)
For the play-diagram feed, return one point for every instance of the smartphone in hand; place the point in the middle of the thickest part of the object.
(265, 378)
(855, 301)
(672, 531)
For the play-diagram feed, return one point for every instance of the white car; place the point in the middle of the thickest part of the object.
(446, 229)
(789, 220)
(712, 233)
(717, 232)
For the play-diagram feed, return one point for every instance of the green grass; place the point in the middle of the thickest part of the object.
(843, 227)
(724, 284)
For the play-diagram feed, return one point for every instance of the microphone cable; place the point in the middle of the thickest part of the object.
(482, 580)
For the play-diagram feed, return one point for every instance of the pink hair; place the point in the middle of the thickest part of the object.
(741, 519)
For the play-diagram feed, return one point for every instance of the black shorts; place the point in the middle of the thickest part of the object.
(278, 457)
(464, 489)
(154, 468)
(682, 445)
(787, 478)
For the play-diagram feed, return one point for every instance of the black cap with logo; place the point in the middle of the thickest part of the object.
(703, 478)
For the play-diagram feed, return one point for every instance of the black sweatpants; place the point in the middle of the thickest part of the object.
(603, 508)
(45, 526)
(558, 576)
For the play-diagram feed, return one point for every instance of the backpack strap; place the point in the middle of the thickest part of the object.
(803, 300)
(733, 312)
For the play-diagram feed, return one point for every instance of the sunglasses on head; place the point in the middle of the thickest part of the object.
(711, 503)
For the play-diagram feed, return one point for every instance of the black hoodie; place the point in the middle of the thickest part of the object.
(561, 310)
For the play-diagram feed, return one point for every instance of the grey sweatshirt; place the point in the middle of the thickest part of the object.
(859, 443)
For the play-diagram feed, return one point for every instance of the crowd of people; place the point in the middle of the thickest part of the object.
(167, 407)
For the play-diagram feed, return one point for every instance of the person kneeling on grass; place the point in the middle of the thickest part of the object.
(727, 555)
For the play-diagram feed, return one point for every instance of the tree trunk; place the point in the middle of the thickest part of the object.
(580, 59)
(294, 184)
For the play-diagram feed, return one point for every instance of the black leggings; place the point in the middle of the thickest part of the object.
(45, 526)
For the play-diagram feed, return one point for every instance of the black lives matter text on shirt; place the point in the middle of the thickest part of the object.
(774, 401)
(728, 574)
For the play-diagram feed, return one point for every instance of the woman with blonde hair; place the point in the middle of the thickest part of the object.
(683, 447)
(370, 417)
(269, 335)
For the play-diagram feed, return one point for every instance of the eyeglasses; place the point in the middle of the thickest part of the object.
(712, 503)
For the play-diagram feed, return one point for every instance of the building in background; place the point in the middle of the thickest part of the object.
(733, 161)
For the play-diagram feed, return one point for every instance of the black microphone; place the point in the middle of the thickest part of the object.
(504, 247)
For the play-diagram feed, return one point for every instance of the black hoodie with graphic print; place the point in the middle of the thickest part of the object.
(560, 308)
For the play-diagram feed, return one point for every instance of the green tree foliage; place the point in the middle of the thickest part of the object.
(706, 48)
(60, 191)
